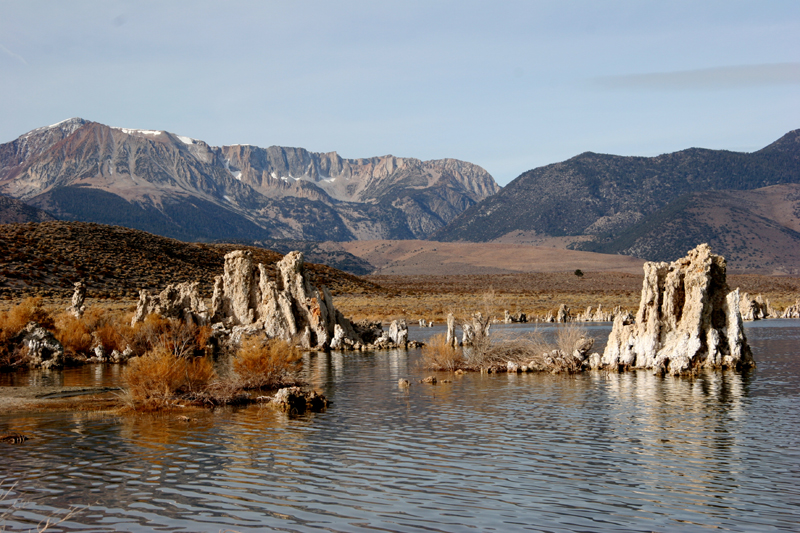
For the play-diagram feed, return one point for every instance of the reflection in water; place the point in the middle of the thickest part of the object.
(596, 451)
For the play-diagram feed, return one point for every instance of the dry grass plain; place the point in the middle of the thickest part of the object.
(426, 258)
(432, 297)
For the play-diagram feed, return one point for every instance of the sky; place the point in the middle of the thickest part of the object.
(509, 86)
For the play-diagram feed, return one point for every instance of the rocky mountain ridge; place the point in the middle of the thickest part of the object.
(181, 187)
(653, 207)
(593, 194)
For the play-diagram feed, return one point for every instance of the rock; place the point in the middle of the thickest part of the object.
(181, 301)
(295, 400)
(403, 383)
(121, 357)
(430, 380)
(99, 353)
(44, 350)
(246, 301)
(77, 308)
(563, 314)
(688, 318)
(451, 339)
(757, 308)
(582, 346)
(398, 333)
(423, 323)
(793, 311)
(512, 367)
(594, 361)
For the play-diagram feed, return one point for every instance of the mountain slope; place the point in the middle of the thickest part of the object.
(16, 212)
(756, 230)
(48, 258)
(182, 187)
(593, 194)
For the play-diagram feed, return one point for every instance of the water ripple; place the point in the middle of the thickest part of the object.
(612, 452)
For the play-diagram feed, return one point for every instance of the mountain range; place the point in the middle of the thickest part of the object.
(747, 205)
(181, 187)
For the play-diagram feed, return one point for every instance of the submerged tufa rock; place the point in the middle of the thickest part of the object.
(688, 318)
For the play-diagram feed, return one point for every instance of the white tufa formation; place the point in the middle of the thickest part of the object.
(688, 318)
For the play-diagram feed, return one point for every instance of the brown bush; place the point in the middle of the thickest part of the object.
(29, 309)
(259, 363)
(156, 379)
(73, 334)
(437, 355)
(568, 336)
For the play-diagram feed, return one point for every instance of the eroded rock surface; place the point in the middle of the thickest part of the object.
(44, 350)
(688, 318)
(246, 301)
(793, 311)
(77, 308)
(180, 300)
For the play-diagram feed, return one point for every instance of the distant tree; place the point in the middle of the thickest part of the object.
(579, 272)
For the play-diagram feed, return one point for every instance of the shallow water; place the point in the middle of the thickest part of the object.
(593, 452)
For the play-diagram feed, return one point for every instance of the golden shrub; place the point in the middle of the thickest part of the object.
(154, 380)
(29, 309)
(73, 334)
(259, 363)
(437, 355)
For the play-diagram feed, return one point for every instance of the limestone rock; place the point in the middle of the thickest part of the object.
(793, 311)
(295, 400)
(181, 300)
(757, 308)
(77, 308)
(688, 318)
(563, 314)
(246, 301)
(451, 339)
(398, 333)
(44, 350)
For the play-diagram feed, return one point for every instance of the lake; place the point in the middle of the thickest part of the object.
(486, 452)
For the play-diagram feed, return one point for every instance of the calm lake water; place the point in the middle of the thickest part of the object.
(593, 452)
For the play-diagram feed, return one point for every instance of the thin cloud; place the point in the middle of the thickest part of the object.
(708, 78)
(12, 55)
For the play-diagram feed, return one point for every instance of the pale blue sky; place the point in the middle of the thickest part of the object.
(507, 85)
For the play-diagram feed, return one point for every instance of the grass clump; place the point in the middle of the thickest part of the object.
(438, 355)
(263, 363)
(160, 377)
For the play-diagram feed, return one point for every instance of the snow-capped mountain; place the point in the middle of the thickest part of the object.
(181, 187)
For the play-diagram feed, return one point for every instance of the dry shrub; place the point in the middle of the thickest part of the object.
(12, 322)
(202, 336)
(568, 336)
(533, 351)
(175, 335)
(28, 310)
(259, 363)
(73, 334)
(437, 355)
(157, 378)
(95, 327)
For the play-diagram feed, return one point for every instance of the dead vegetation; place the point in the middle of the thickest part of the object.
(264, 363)
(504, 352)
(535, 294)
(168, 375)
